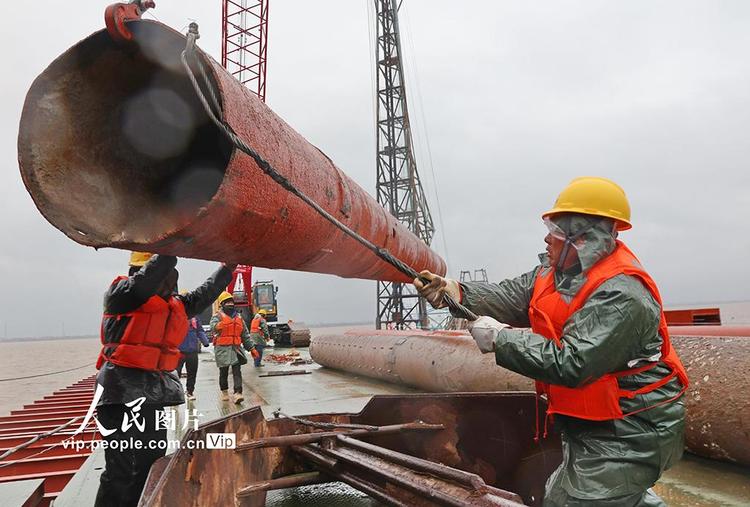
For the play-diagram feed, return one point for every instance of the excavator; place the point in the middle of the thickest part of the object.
(261, 298)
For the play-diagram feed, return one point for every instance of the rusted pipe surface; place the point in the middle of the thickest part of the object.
(440, 361)
(116, 151)
(718, 404)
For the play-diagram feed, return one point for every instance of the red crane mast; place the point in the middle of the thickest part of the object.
(244, 36)
(244, 42)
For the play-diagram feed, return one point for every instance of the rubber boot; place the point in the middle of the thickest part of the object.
(225, 396)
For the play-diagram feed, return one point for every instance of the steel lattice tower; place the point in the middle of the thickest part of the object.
(399, 189)
(244, 33)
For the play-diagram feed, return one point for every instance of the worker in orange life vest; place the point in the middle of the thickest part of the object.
(260, 335)
(598, 349)
(229, 332)
(143, 324)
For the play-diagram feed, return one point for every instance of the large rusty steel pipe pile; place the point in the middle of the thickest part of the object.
(116, 151)
(717, 359)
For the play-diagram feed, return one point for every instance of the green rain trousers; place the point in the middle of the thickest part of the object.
(605, 463)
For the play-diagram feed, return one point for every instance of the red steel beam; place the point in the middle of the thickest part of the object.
(54, 482)
(44, 464)
(51, 450)
(47, 458)
(75, 391)
(10, 441)
(58, 410)
(22, 422)
(54, 400)
(150, 147)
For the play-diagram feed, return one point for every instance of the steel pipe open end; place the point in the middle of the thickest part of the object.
(116, 150)
(114, 146)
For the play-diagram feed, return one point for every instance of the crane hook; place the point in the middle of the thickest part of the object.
(116, 15)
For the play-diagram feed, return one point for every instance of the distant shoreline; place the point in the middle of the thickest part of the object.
(95, 337)
(727, 319)
(48, 338)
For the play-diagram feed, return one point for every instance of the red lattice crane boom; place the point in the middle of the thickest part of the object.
(244, 42)
(244, 36)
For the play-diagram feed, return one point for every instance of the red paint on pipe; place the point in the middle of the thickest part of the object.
(116, 151)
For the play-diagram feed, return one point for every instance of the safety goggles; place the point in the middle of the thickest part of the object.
(555, 230)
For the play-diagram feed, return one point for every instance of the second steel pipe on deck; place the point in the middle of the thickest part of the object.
(717, 361)
(116, 151)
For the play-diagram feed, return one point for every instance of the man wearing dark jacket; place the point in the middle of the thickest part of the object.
(143, 324)
(189, 349)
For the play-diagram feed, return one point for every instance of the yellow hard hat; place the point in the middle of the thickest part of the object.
(224, 296)
(138, 259)
(596, 196)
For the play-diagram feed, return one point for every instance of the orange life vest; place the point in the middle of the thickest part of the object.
(548, 311)
(151, 338)
(229, 330)
(255, 325)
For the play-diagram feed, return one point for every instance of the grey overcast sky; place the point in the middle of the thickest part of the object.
(513, 98)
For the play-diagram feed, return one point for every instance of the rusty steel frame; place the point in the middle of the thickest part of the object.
(467, 479)
(205, 200)
(490, 435)
(308, 438)
(408, 480)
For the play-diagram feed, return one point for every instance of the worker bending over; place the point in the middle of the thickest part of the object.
(230, 334)
(598, 349)
(143, 324)
(260, 335)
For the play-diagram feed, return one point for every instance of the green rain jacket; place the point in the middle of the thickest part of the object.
(610, 462)
(226, 355)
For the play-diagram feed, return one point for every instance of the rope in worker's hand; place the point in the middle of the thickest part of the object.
(455, 307)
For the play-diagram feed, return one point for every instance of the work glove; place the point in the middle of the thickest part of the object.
(484, 330)
(436, 288)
